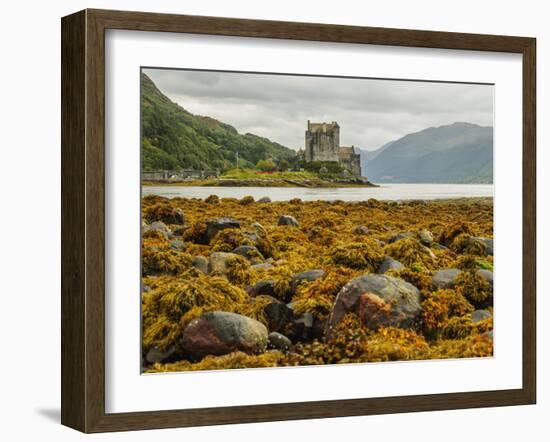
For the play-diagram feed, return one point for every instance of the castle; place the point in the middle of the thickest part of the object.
(323, 144)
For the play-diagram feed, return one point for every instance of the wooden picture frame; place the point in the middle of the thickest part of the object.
(83, 219)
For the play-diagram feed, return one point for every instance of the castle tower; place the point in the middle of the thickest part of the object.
(322, 141)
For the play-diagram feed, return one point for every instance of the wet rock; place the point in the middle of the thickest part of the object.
(213, 226)
(218, 261)
(288, 220)
(426, 237)
(264, 199)
(361, 230)
(200, 263)
(379, 300)
(279, 341)
(480, 315)
(219, 333)
(265, 287)
(177, 244)
(388, 263)
(155, 355)
(251, 253)
(445, 279)
(400, 236)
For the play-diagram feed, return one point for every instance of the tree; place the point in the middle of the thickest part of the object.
(284, 165)
(266, 165)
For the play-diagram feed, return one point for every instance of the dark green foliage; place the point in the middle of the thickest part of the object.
(173, 138)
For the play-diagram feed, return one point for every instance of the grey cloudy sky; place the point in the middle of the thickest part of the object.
(370, 112)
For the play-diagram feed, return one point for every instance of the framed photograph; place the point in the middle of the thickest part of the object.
(267, 220)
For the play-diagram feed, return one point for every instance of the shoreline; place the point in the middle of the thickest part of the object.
(311, 184)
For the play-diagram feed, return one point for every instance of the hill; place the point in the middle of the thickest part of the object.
(456, 153)
(173, 138)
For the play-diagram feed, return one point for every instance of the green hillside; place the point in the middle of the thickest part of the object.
(173, 138)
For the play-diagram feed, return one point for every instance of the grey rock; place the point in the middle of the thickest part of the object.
(288, 220)
(426, 237)
(259, 229)
(219, 333)
(177, 244)
(487, 275)
(388, 263)
(155, 355)
(302, 327)
(307, 276)
(264, 199)
(200, 263)
(445, 279)
(378, 300)
(480, 315)
(279, 341)
(251, 253)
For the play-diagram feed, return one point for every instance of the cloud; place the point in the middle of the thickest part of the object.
(370, 112)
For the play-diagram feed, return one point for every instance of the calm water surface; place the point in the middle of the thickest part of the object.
(392, 192)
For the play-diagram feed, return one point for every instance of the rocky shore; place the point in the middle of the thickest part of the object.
(230, 283)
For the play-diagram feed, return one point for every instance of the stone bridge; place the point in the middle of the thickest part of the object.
(177, 175)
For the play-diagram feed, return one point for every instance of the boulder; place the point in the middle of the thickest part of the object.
(445, 279)
(219, 333)
(288, 220)
(213, 226)
(279, 341)
(264, 199)
(302, 327)
(480, 315)
(251, 253)
(378, 300)
(388, 263)
(218, 261)
(200, 263)
(426, 237)
(157, 226)
(259, 229)
(265, 287)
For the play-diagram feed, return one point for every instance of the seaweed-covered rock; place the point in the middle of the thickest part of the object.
(480, 315)
(200, 263)
(279, 341)
(400, 236)
(265, 287)
(251, 253)
(156, 355)
(177, 244)
(278, 315)
(378, 300)
(288, 220)
(213, 226)
(445, 279)
(307, 276)
(218, 262)
(426, 237)
(219, 333)
(157, 226)
(488, 244)
(388, 263)
(262, 266)
(361, 230)
(487, 275)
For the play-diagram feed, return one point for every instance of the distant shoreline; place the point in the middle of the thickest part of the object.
(310, 183)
